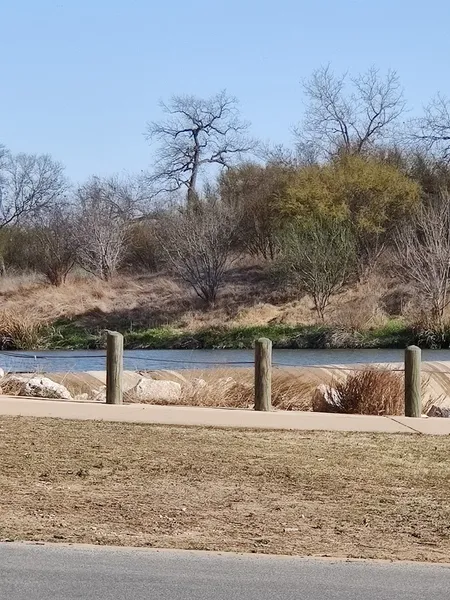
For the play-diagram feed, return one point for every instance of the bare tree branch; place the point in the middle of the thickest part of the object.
(432, 131)
(196, 133)
(338, 118)
(106, 208)
(198, 246)
(56, 245)
(28, 184)
(422, 253)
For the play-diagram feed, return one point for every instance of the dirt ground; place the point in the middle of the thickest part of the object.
(327, 494)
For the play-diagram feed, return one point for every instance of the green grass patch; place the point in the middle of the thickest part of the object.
(69, 335)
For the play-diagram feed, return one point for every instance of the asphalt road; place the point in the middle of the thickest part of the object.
(38, 572)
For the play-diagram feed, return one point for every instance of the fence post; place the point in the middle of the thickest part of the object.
(263, 374)
(114, 367)
(413, 396)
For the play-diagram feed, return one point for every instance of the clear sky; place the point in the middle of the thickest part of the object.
(80, 78)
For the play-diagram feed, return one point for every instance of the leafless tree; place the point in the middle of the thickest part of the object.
(319, 257)
(422, 255)
(432, 131)
(199, 245)
(106, 209)
(29, 183)
(56, 245)
(348, 114)
(195, 134)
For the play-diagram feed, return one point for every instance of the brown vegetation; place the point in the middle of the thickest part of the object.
(248, 297)
(370, 392)
(22, 330)
(233, 388)
(244, 491)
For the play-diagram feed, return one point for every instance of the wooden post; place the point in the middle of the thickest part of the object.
(263, 374)
(413, 395)
(114, 367)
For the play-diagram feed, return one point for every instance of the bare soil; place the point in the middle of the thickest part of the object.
(327, 494)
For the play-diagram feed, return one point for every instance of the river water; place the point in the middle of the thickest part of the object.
(94, 360)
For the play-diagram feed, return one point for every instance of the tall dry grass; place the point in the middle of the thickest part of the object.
(152, 299)
(369, 392)
(233, 388)
(20, 330)
(20, 281)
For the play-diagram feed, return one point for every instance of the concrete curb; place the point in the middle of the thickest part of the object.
(220, 417)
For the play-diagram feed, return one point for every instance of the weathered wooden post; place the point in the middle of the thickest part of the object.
(114, 367)
(413, 395)
(263, 374)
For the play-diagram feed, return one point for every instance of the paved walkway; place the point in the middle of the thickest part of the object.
(39, 572)
(220, 417)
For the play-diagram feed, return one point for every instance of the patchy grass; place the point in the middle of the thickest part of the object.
(334, 494)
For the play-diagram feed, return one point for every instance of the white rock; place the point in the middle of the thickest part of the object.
(325, 399)
(153, 389)
(38, 387)
(2, 373)
(42, 387)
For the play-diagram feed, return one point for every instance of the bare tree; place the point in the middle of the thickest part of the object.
(196, 133)
(198, 245)
(56, 245)
(29, 183)
(348, 114)
(106, 209)
(319, 257)
(422, 255)
(432, 130)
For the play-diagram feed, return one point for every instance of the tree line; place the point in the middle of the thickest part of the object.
(362, 188)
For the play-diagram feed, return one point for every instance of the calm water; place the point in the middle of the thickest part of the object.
(94, 360)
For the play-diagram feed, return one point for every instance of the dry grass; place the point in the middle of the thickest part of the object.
(22, 330)
(234, 388)
(249, 297)
(286, 395)
(370, 392)
(14, 282)
(353, 495)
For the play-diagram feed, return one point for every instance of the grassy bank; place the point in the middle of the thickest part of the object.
(244, 491)
(66, 335)
(153, 312)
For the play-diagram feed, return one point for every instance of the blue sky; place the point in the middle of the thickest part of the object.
(80, 79)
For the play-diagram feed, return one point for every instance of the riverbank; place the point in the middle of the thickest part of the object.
(71, 336)
(153, 312)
